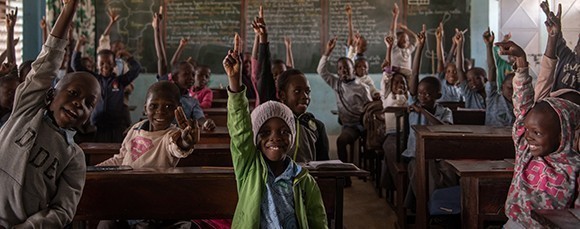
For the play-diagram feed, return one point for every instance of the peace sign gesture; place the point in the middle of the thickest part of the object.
(188, 133)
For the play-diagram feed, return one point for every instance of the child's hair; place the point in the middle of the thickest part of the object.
(360, 59)
(278, 61)
(24, 69)
(175, 72)
(285, 77)
(432, 82)
(165, 87)
(345, 59)
(477, 71)
(106, 52)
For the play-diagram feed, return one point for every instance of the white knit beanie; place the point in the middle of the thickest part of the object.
(272, 109)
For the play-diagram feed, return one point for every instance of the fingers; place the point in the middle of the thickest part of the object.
(261, 12)
(181, 118)
(237, 43)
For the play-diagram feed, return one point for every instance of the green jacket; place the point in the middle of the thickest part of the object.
(251, 174)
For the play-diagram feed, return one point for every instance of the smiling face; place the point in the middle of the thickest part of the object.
(160, 107)
(398, 84)
(202, 75)
(451, 74)
(184, 78)
(274, 139)
(475, 79)
(361, 67)
(543, 130)
(428, 93)
(75, 98)
(403, 40)
(106, 64)
(7, 90)
(345, 69)
(296, 94)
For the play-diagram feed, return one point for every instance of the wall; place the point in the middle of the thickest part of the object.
(479, 23)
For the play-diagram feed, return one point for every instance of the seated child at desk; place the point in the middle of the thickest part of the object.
(156, 142)
(425, 111)
(450, 91)
(471, 82)
(499, 108)
(273, 190)
(547, 167)
(42, 170)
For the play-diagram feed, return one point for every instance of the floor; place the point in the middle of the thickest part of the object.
(362, 206)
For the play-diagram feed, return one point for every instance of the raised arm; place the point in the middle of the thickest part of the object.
(439, 36)
(134, 68)
(44, 28)
(76, 56)
(289, 56)
(394, 22)
(523, 98)
(488, 38)
(546, 75)
(414, 81)
(387, 76)
(458, 41)
(10, 23)
(177, 55)
(265, 80)
(161, 59)
(409, 32)
(113, 18)
(322, 68)
(350, 36)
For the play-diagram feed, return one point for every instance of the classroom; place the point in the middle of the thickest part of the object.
(289, 114)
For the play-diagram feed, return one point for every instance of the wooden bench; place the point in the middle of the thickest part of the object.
(222, 103)
(484, 188)
(456, 142)
(184, 193)
(561, 218)
(203, 155)
(218, 115)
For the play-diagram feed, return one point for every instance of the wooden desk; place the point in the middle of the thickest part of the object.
(219, 93)
(219, 115)
(484, 188)
(562, 218)
(456, 142)
(184, 193)
(219, 135)
(468, 117)
(203, 155)
(222, 103)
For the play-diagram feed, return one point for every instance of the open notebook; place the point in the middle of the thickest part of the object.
(108, 168)
(330, 165)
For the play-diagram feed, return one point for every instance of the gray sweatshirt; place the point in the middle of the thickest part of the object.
(354, 95)
(42, 170)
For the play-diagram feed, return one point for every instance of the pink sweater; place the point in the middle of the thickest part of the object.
(205, 97)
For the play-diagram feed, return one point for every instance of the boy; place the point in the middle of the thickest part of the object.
(351, 96)
(273, 190)
(471, 83)
(450, 92)
(547, 167)
(42, 170)
(499, 108)
(111, 115)
(156, 142)
(425, 111)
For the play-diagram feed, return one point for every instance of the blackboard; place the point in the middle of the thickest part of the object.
(210, 26)
(298, 19)
(455, 14)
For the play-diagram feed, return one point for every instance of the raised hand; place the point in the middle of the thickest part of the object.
(6, 68)
(43, 23)
(545, 7)
(232, 63)
(124, 54)
(507, 37)
(113, 15)
(82, 40)
(156, 20)
(188, 133)
(510, 48)
(389, 40)
(348, 9)
(287, 41)
(439, 32)
(458, 38)
(421, 37)
(554, 22)
(488, 37)
(183, 41)
(330, 46)
(11, 18)
(208, 125)
(396, 10)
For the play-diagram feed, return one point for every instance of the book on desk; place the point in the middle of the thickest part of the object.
(329, 165)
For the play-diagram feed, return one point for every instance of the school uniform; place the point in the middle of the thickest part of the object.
(498, 111)
(143, 148)
(42, 170)
(473, 100)
(366, 79)
(449, 92)
(546, 182)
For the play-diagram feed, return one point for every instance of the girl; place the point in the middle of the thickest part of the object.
(200, 91)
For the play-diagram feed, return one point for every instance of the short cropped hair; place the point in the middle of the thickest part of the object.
(432, 82)
(165, 87)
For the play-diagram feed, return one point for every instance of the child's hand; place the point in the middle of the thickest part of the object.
(208, 125)
(124, 54)
(183, 41)
(554, 22)
(82, 40)
(330, 46)
(458, 38)
(396, 10)
(376, 96)
(507, 37)
(545, 7)
(415, 108)
(43, 23)
(156, 20)
(512, 49)
(233, 66)
(188, 134)
(6, 68)
(439, 32)
(401, 26)
(11, 19)
(348, 9)
(488, 37)
(421, 37)
(113, 16)
(389, 41)
(287, 41)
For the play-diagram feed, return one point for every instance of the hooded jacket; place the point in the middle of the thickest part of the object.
(548, 182)
(251, 174)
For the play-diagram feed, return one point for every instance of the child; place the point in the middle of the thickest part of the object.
(547, 167)
(471, 83)
(351, 96)
(156, 142)
(450, 92)
(361, 70)
(8, 85)
(293, 90)
(273, 190)
(42, 170)
(183, 77)
(200, 90)
(404, 48)
(425, 111)
(499, 108)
